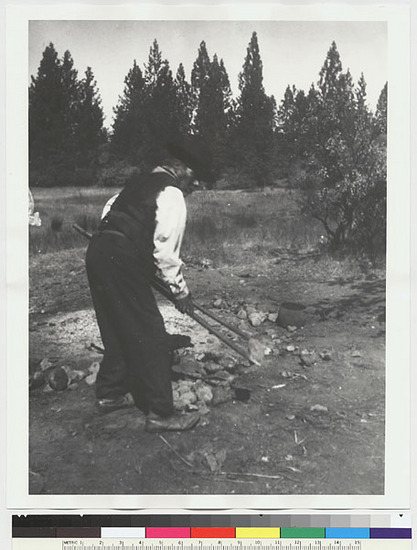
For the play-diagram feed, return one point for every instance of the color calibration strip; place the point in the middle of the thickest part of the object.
(221, 527)
(220, 533)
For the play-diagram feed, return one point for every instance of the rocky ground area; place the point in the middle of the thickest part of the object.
(308, 420)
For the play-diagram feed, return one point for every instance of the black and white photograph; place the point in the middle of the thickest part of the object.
(208, 256)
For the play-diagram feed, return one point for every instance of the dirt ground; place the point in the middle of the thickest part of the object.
(312, 426)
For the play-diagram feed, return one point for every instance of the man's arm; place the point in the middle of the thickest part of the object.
(108, 206)
(171, 214)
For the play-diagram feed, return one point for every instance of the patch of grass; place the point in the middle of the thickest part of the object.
(226, 227)
(88, 222)
(56, 223)
(59, 209)
(234, 227)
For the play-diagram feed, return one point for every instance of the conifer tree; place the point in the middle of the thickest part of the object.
(59, 122)
(212, 113)
(130, 116)
(161, 105)
(148, 114)
(381, 111)
(330, 73)
(70, 87)
(184, 101)
(201, 68)
(90, 132)
(46, 113)
(256, 119)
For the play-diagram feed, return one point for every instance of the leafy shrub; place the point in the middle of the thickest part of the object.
(117, 175)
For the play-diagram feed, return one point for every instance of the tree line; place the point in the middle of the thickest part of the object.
(326, 142)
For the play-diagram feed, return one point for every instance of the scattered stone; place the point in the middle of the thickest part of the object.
(200, 356)
(308, 358)
(250, 309)
(356, 353)
(93, 370)
(94, 367)
(218, 303)
(91, 379)
(242, 314)
(215, 460)
(189, 369)
(220, 395)
(202, 408)
(268, 351)
(288, 458)
(58, 379)
(290, 416)
(290, 348)
(45, 364)
(264, 459)
(223, 376)
(319, 408)
(326, 355)
(255, 319)
(175, 395)
(184, 400)
(74, 375)
(291, 328)
(211, 367)
(184, 386)
(206, 263)
(204, 393)
(272, 317)
(227, 363)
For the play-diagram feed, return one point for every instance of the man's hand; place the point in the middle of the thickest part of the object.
(185, 305)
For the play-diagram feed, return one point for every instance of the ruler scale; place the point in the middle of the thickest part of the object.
(277, 544)
(238, 532)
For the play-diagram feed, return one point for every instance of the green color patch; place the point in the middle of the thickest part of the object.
(303, 533)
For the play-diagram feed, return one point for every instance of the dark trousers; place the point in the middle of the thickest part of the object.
(136, 358)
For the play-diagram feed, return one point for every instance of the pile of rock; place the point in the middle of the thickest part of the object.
(255, 316)
(203, 379)
(189, 394)
(246, 311)
(49, 376)
(196, 384)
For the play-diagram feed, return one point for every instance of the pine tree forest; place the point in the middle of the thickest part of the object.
(325, 141)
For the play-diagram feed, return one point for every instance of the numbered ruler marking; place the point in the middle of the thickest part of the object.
(155, 544)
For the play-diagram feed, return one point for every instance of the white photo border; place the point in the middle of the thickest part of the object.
(397, 456)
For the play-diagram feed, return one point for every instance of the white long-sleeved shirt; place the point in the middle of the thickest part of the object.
(170, 220)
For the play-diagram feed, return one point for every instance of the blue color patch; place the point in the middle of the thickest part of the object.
(347, 533)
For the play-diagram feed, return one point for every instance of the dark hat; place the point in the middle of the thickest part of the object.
(193, 153)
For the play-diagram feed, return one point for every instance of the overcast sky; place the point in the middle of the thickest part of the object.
(291, 52)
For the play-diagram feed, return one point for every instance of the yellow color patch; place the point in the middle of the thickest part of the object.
(258, 532)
